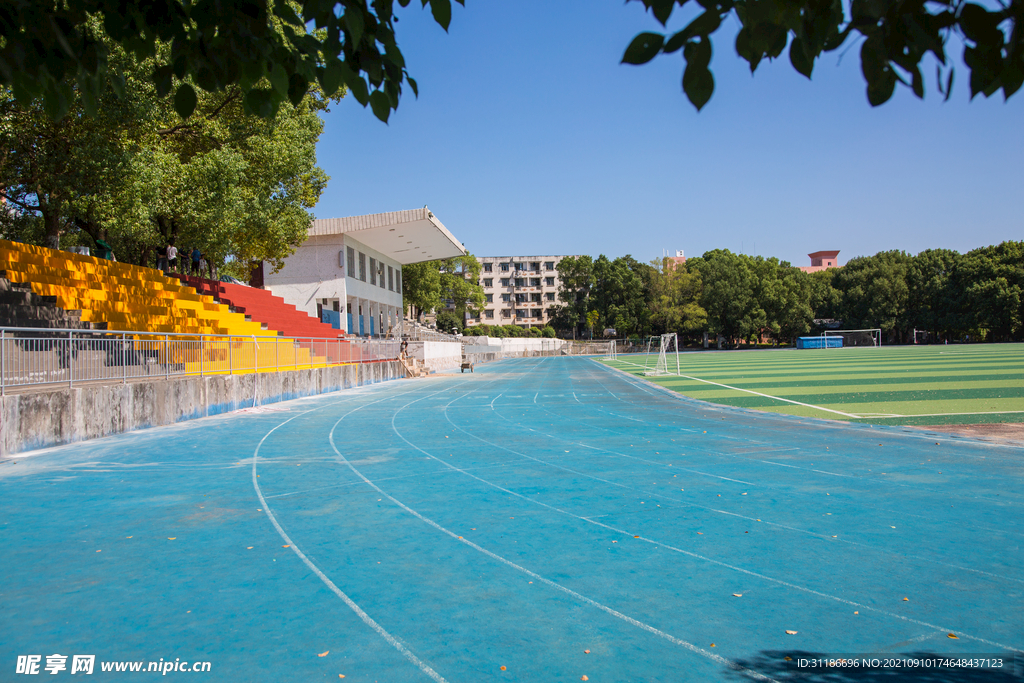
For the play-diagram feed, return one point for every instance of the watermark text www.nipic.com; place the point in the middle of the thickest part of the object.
(87, 664)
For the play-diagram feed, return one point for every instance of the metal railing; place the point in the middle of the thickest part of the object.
(39, 356)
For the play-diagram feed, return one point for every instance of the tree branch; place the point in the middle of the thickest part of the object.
(209, 117)
(23, 205)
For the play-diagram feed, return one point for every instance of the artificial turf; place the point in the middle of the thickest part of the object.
(896, 385)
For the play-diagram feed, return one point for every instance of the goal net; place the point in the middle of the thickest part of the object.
(852, 338)
(611, 355)
(668, 351)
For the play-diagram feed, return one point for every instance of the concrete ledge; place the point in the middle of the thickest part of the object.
(66, 415)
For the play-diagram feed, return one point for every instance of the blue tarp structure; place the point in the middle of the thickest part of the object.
(819, 342)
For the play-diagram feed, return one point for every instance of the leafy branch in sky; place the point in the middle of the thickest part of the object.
(896, 36)
(264, 47)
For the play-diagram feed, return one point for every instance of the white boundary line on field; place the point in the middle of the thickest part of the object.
(757, 393)
(863, 416)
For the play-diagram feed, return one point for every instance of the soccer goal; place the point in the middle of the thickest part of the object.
(668, 346)
(858, 338)
(611, 355)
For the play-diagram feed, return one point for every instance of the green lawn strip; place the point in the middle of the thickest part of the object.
(849, 398)
(936, 388)
(938, 381)
(844, 369)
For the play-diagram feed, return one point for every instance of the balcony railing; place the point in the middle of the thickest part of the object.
(38, 356)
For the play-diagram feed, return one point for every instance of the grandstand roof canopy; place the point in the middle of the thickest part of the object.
(406, 236)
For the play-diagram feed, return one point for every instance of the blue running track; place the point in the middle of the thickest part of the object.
(538, 520)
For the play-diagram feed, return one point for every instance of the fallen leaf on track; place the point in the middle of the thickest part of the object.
(951, 635)
(792, 633)
(324, 653)
(738, 595)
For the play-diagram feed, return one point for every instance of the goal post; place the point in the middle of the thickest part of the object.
(852, 338)
(667, 348)
(611, 354)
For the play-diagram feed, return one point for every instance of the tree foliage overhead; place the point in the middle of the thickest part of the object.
(136, 174)
(897, 36)
(261, 46)
(48, 48)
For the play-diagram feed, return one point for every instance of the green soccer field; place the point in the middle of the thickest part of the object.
(900, 385)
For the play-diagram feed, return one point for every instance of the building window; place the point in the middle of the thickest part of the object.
(488, 313)
(488, 298)
(520, 266)
(535, 297)
(504, 282)
(351, 253)
(549, 265)
(487, 269)
(398, 281)
(535, 282)
(535, 265)
(373, 271)
(506, 313)
(549, 281)
(520, 298)
(391, 278)
(380, 274)
(549, 296)
(362, 266)
(488, 282)
(520, 282)
(504, 267)
(506, 297)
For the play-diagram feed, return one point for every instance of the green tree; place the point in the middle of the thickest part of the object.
(261, 47)
(675, 299)
(935, 303)
(237, 186)
(876, 293)
(730, 294)
(433, 285)
(592, 318)
(620, 295)
(576, 279)
(992, 280)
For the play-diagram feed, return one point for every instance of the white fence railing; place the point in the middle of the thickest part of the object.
(36, 356)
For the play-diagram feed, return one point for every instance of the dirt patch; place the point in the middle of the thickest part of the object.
(996, 431)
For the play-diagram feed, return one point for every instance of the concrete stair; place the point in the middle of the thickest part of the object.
(21, 307)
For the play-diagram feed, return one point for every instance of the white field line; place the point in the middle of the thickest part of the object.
(757, 393)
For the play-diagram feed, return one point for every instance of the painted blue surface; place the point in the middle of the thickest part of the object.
(350, 328)
(517, 516)
(819, 342)
(332, 318)
(371, 327)
(361, 332)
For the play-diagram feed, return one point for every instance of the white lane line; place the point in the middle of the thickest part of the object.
(568, 591)
(494, 399)
(366, 618)
(657, 543)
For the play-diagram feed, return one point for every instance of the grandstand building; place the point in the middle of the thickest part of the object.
(518, 290)
(349, 270)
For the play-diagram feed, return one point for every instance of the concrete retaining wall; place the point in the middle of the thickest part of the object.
(436, 356)
(51, 418)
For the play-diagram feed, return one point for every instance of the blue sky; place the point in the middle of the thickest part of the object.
(529, 137)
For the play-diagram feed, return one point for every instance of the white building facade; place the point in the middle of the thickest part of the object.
(518, 290)
(352, 268)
